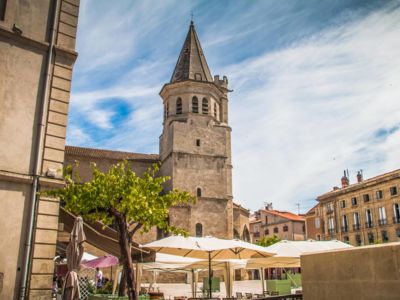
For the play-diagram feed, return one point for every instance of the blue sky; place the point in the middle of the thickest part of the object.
(316, 86)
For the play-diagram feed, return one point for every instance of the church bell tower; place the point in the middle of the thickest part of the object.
(195, 145)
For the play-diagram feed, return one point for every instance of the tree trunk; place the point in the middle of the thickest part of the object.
(123, 240)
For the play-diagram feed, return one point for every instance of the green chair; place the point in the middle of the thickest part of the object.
(215, 284)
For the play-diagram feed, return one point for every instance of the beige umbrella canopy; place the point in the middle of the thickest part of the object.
(209, 248)
(74, 256)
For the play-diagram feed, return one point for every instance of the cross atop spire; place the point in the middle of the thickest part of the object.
(191, 64)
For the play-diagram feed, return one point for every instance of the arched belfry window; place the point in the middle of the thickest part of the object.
(205, 106)
(195, 105)
(199, 230)
(179, 106)
(198, 192)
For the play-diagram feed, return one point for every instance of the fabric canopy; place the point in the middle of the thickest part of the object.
(288, 253)
(101, 262)
(74, 256)
(200, 247)
(208, 248)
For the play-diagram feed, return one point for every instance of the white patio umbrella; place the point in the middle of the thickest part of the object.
(74, 256)
(209, 248)
(288, 253)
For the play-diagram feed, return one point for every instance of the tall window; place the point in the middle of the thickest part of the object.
(344, 223)
(366, 197)
(385, 237)
(393, 191)
(396, 213)
(358, 240)
(215, 110)
(368, 218)
(382, 215)
(199, 230)
(204, 106)
(371, 239)
(379, 194)
(195, 105)
(331, 225)
(356, 220)
(2, 9)
(179, 106)
(343, 203)
(354, 201)
(198, 192)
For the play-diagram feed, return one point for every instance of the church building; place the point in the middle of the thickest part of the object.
(195, 150)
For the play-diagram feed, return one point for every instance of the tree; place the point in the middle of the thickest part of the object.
(122, 198)
(268, 241)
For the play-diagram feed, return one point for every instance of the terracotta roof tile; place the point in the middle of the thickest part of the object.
(285, 214)
(110, 154)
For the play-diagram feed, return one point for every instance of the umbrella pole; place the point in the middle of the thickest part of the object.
(209, 275)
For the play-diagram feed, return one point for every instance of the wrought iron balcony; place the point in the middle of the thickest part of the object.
(356, 226)
(369, 224)
(345, 228)
(382, 222)
(396, 219)
(331, 231)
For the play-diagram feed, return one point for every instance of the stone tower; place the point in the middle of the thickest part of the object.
(195, 146)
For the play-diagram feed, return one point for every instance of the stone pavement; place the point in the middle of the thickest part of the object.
(171, 290)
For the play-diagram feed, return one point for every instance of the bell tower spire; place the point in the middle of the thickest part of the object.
(191, 64)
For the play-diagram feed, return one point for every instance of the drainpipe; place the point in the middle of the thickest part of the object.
(37, 161)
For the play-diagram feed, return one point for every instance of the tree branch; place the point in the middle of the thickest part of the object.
(136, 228)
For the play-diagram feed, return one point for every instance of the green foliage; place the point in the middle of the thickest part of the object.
(268, 241)
(140, 199)
(106, 289)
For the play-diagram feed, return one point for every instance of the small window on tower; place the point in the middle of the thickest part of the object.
(195, 105)
(215, 110)
(205, 106)
(198, 192)
(198, 143)
(179, 106)
(197, 76)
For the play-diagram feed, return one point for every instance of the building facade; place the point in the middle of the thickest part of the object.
(37, 54)
(314, 223)
(281, 224)
(195, 150)
(365, 212)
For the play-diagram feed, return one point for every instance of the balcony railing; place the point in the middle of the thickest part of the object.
(329, 211)
(356, 226)
(345, 229)
(369, 224)
(396, 219)
(331, 231)
(256, 234)
(382, 222)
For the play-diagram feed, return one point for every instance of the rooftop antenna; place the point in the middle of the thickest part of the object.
(298, 208)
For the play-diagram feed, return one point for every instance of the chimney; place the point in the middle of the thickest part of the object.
(335, 188)
(359, 176)
(345, 179)
(268, 206)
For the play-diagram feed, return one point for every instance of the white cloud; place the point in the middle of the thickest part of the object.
(76, 136)
(302, 114)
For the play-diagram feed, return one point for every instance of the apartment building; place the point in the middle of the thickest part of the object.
(284, 225)
(363, 213)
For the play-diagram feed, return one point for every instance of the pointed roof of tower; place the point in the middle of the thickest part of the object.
(191, 62)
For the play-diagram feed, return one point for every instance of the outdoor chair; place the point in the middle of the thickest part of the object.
(239, 295)
(249, 295)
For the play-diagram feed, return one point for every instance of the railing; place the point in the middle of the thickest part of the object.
(256, 234)
(382, 222)
(396, 219)
(369, 224)
(329, 211)
(345, 229)
(356, 226)
(331, 231)
(283, 297)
